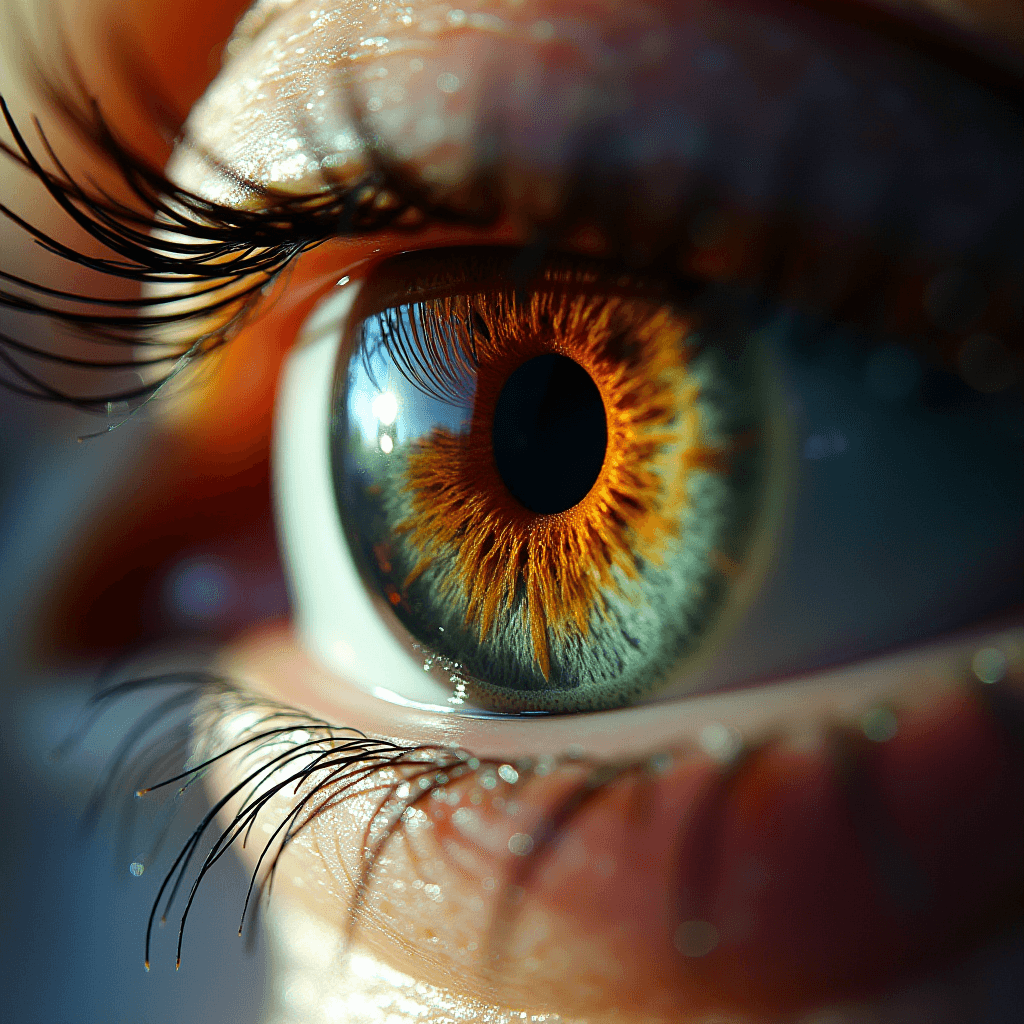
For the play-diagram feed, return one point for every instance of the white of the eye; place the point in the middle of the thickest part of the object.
(336, 618)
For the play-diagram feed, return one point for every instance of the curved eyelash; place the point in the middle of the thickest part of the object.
(286, 752)
(318, 766)
(161, 234)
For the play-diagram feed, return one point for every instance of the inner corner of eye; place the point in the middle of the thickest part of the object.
(549, 489)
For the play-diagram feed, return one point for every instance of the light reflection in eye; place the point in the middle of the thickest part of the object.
(829, 441)
(385, 408)
(573, 469)
(200, 590)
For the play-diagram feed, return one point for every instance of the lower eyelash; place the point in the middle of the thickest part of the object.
(348, 756)
(411, 774)
(405, 775)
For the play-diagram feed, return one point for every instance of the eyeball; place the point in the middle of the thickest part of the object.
(518, 497)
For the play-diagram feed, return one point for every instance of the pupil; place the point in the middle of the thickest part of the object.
(550, 434)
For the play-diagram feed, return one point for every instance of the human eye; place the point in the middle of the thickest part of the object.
(830, 317)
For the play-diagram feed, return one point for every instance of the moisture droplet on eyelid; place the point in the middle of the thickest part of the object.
(448, 83)
(722, 743)
(520, 844)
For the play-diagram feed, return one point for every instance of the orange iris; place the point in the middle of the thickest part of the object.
(561, 564)
(560, 540)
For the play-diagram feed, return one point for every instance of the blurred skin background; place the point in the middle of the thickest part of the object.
(70, 919)
(80, 582)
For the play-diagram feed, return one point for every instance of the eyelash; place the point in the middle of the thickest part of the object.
(222, 248)
(421, 772)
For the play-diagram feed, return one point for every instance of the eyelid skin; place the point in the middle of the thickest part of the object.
(970, 762)
(430, 85)
(995, 20)
(693, 793)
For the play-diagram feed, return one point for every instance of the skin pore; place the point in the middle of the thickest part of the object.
(613, 927)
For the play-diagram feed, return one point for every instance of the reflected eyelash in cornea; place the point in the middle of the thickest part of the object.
(314, 766)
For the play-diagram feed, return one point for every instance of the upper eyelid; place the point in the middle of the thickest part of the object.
(892, 258)
(386, 176)
(983, 56)
(581, 158)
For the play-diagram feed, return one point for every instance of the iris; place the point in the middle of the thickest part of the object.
(568, 470)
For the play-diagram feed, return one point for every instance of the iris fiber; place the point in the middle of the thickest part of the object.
(562, 563)
(590, 596)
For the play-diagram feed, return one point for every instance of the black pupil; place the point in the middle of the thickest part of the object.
(550, 434)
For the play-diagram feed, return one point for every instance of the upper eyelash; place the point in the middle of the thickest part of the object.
(232, 254)
(236, 255)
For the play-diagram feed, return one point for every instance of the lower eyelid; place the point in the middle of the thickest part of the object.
(274, 666)
(749, 847)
